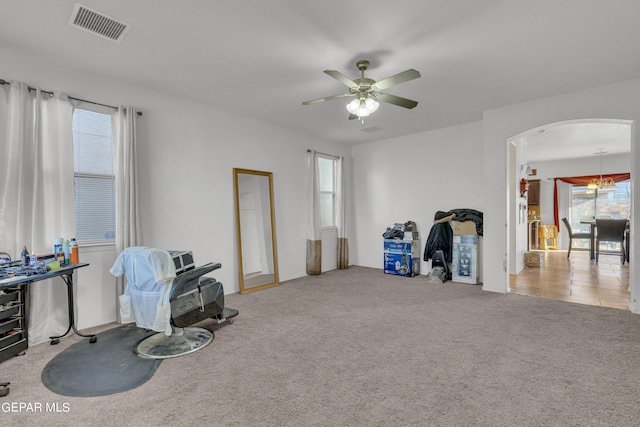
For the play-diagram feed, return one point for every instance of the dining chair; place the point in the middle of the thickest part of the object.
(572, 235)
(611, 231)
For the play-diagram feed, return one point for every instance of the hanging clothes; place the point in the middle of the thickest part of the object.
(441, 234)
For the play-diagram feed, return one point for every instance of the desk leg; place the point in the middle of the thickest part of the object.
(68, 280)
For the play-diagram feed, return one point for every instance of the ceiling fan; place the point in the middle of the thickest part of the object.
(367, 92)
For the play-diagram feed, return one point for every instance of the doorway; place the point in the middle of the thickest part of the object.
(565, 149)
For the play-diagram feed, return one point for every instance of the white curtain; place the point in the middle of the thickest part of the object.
(564, 211)
(37, 192)
(314, 242)
(125, 163)
(341, 214)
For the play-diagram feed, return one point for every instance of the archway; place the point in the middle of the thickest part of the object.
(564, 148)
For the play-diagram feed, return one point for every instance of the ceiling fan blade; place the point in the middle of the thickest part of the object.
(352, 117)
(342, 78)
(327, 98)
(402, 77)
(396, 100)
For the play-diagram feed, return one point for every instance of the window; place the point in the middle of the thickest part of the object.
(327, 172)
(587, 204)
(94, 179)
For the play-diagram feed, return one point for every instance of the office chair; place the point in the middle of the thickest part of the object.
(611, 231)
(573, 235)
(156, 299)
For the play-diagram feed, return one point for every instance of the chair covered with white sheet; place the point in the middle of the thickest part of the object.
(157, 299)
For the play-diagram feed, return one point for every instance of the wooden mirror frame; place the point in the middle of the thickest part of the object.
(244, 287)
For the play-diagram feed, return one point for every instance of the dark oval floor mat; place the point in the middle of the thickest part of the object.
(105, 367)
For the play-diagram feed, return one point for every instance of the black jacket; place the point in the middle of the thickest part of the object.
(441, 234)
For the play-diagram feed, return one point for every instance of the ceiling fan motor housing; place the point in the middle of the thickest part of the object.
(364, 85)
(362, 64)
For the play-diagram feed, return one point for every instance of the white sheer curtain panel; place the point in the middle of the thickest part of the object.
(341, 214)
(127, 214)
(314, 242)
(37, 192)
(564, 211)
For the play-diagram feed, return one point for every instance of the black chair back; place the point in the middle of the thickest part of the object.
(611, 230)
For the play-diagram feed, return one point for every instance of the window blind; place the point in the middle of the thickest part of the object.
(93, 175)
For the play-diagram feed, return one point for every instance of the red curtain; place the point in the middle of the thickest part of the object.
(580, 180)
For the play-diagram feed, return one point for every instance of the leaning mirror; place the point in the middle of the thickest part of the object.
(256, 230)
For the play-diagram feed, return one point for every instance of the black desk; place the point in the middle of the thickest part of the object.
(22, 283)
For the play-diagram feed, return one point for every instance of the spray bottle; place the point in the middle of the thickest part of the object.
(75, 256)
(24, 256)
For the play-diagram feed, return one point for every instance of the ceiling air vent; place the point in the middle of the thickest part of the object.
(98, 23)
(370, 129)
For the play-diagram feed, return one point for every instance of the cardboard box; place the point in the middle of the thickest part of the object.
(464, 263)
(402, 257)
(467, 227)
(533, 259)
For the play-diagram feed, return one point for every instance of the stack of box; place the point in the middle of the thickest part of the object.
(402, 256)
(464, 261)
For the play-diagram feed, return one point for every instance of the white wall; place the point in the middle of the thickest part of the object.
(411, 178)
(329, 237)
(187, 152)
(618, 101)
(95, 287)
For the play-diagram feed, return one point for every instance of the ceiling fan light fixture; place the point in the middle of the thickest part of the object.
(371, 105)
(353, 106)
(362, 107)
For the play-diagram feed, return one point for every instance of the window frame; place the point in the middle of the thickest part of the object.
(334, 163)
(101, 109)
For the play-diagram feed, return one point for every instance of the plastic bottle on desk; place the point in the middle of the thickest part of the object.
(75, 256)
(24, 256)
(66, 251)
(57, 246)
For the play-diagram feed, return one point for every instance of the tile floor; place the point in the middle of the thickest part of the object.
(576, 279)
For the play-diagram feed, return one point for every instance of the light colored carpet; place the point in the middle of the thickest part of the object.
(252, 280)
(357, 347)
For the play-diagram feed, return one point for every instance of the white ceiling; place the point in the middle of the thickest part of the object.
(577, 139)
(262, 59)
